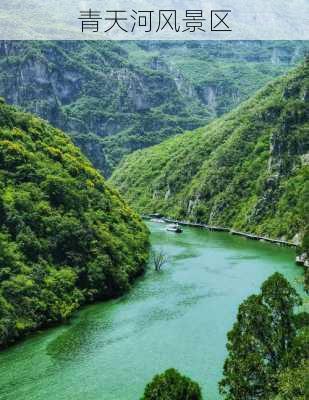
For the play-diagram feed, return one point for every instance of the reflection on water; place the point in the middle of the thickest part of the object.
(178, 317)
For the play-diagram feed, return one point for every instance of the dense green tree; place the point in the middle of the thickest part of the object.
(260, 341)
(294, 383)
(171, 385)
(66, 238)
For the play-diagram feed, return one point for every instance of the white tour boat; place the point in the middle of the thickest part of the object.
(174, 228)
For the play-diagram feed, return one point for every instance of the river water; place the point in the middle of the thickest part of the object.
(178, 318)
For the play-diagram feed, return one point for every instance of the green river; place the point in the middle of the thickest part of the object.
(178, 318)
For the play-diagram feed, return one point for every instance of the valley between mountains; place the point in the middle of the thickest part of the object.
(94, 135)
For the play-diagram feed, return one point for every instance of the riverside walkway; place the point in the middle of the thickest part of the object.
(225, 229)
(263, 238)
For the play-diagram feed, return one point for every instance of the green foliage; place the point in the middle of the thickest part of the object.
(294, 383)
(267, 344)
(304, 249)
(65, 237)
(268, 352)
(172, 386)
(115, 98)
(247, 170)
(293, 380)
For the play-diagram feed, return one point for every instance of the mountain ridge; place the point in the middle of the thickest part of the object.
(115, 98)
(248, 170)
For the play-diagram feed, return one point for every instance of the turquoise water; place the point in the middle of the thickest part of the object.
(178, 318)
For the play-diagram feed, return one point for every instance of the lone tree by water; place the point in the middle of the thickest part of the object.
(266, 343)
(171, 385)
(159, 259)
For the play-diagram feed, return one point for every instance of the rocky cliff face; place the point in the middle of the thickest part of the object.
(248, 170)
(127, 96)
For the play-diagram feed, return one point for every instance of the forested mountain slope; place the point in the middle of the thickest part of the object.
(66, 238)
(114, 98)
(247, 170)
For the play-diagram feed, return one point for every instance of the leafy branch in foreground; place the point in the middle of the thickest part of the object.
(267, 343)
